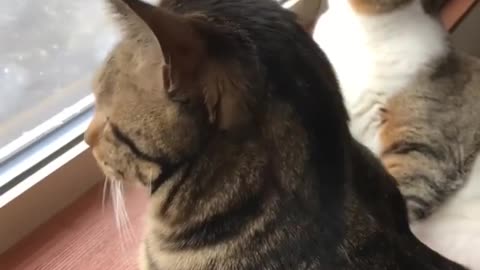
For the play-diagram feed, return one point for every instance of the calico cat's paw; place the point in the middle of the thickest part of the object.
(416, 210)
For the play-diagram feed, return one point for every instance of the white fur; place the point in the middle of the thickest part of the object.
(374, 61)
(454, 229)
(368, 55)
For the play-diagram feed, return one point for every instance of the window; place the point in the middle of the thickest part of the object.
(48, 52)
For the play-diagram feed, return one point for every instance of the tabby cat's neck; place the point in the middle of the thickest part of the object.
(231, 182)
(380, 52)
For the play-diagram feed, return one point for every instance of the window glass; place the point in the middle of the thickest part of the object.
(48, 51)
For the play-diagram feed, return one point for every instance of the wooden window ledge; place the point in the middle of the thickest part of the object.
(83, 236)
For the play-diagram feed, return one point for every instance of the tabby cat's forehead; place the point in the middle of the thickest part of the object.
(130, 62)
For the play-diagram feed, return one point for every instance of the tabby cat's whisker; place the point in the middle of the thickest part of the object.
(150, 180)
(126, 219)
(121, 216)
(104, 192)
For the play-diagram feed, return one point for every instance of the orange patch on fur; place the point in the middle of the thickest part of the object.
(374, 7)
(392, 131)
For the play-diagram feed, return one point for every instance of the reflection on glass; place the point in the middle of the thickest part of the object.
(48, 51)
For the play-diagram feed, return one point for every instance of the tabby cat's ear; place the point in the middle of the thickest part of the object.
(180, 43)
(184, 41)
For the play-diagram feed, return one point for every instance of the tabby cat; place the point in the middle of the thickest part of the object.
(414, 101)
(230, 114)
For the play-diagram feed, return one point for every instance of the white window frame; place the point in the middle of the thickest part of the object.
(44, 170)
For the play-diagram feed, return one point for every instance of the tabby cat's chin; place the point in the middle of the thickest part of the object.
(168, 170)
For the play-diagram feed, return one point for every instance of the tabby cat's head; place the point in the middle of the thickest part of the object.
(171, 82)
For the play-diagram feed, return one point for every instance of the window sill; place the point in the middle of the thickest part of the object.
(83, 236)
(53, 187)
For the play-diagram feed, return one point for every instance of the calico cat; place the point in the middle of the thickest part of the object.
(230, 114)
(414, 101)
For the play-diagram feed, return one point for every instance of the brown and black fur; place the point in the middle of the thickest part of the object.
(231, 114)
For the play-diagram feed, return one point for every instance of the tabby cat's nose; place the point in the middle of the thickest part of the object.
(94, 130)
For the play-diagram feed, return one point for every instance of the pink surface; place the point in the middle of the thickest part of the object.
(82, 236)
